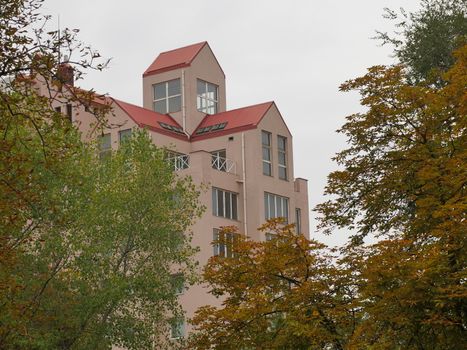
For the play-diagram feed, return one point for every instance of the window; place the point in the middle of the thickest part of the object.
(218, 160)
(105, 146)
(167, 97)
(224, 203)
(206, 97)
(69, 111)
(298, 220)
(282, 157)
(124, 135)
(177, 328)
(58, 109)
(276, 206)
(178, 161)
(267, 160)
(177, 282)
(223, 243)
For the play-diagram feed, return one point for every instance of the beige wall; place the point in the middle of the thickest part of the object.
(204, 67)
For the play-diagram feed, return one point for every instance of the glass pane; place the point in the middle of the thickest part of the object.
(124, 135)
(200, 87)
(282, 173)
(160, 91)
(266, 168)
(175, 104)
(214, 202)
(228, 213)
(266, 206)
(272, 207)
(234, 206)
(220, 203)
(104, 142)
(286, 209)
(281, 141)
(173, 87)
(215, 238)
(281, 159)
(279, 207)
(266, 139)
(160, 106)
(198, 102)
(266, 154)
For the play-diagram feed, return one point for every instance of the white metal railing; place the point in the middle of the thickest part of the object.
(223, 164)
(179, 162)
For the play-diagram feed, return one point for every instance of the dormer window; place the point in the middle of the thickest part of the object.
(206, 97)
(167, 97)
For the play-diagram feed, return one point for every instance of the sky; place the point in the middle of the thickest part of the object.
(294, 52)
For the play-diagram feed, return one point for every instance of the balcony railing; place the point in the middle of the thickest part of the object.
(223, 164)
(179, 162)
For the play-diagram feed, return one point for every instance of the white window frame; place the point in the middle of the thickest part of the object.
(209, 102)
(280, 206)
(284, 153)
(167, 96)
(227, 211)
(268, 148)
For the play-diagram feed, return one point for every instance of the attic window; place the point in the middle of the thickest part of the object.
(167, 96)
(171, 128)
(206, 97)
(209, 128)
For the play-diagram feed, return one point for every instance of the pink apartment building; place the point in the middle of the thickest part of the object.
(244, 156)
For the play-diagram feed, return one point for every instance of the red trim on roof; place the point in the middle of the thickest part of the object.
(174, 59)
(236, 119)
(150, 119)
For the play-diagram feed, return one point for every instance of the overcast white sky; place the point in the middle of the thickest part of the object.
(296, 53)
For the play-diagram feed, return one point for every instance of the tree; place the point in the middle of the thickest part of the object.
(404, 179)
(87, 247)
(285, 293)
(428, 38)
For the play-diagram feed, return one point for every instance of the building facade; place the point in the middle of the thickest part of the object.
(243, 156)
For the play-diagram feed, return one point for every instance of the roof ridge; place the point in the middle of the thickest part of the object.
(183, 47)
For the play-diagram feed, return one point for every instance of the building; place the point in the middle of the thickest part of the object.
(244, 155)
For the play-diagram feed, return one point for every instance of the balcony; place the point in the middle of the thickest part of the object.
(223, 164)
(179, 162)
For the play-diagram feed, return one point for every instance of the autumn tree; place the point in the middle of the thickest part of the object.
(403, 179)
(285, 293)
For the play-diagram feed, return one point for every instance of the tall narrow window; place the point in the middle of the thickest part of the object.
(167, 96)
(298, 220)
(206, 97)
(224, 243)
(282, 157)
(124, 135)
(224, 203)
(69, 112)
(105, 146)
(276, 206)
(267, 159)
(177, 282)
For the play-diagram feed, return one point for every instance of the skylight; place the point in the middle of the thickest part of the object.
(171, 128)
(209, 128)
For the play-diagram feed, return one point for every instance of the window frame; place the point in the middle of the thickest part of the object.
(204, 96)
(278, 203)
(179, 324)
(284, 153)
(223, 243)
(268, 148)
(216, 160)
(229, 208)
(167, 97)
(107, 151)
(122, 137)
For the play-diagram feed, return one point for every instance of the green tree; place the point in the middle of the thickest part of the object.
(87, 248)
(285, 293)
(426, 39)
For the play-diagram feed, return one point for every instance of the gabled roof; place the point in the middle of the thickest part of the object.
(235, 120)
(154, 121)
(178, 58)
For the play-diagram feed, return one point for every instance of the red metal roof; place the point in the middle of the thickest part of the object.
(237, 120)
(150, 119)
(177, 58)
